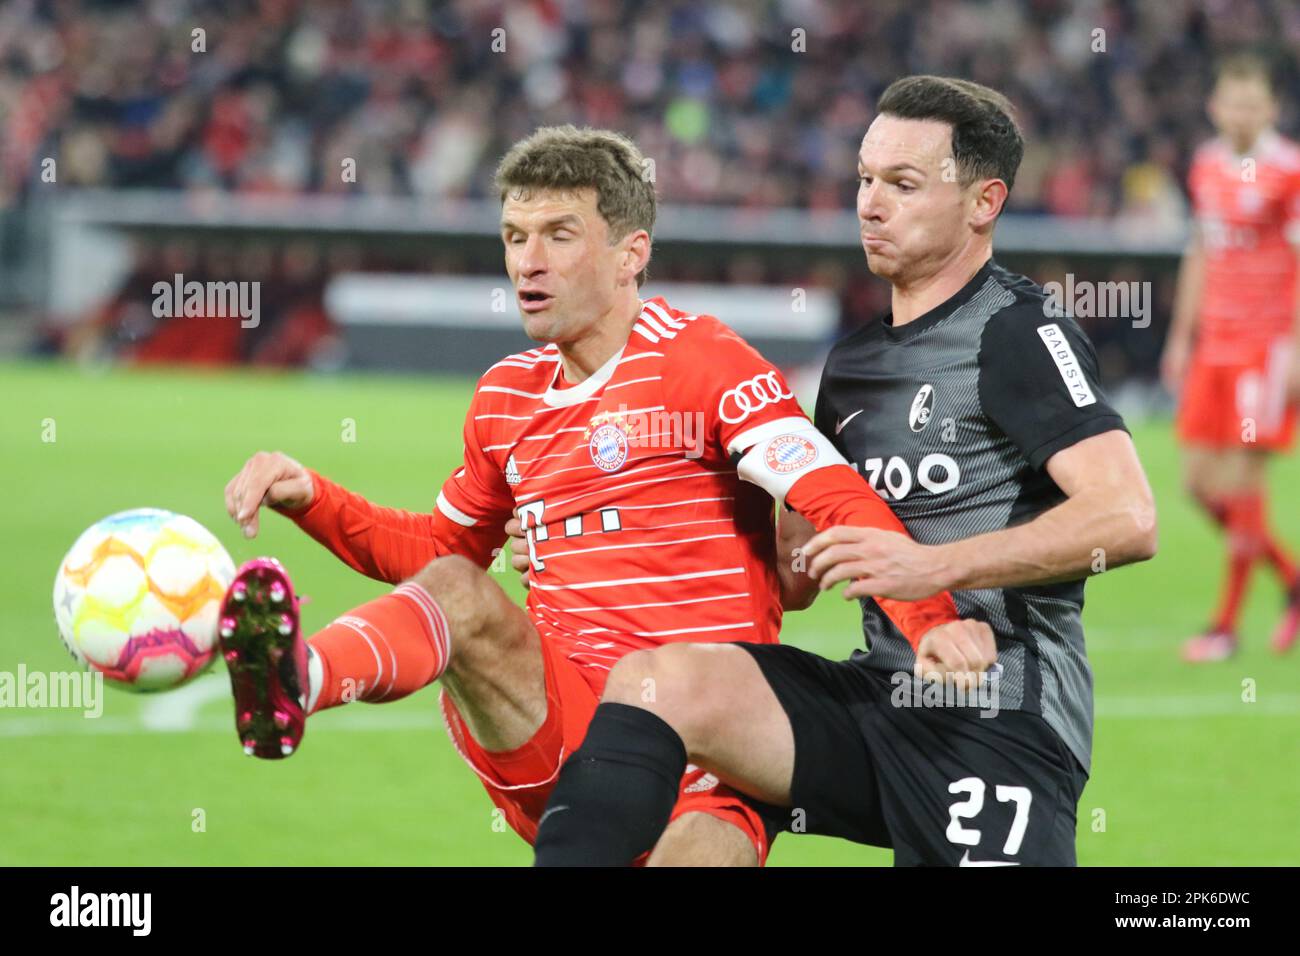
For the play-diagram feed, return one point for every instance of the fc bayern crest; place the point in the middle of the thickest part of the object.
(608, 447)
(787, 453)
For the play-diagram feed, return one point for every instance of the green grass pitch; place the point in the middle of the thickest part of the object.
(1185, 771)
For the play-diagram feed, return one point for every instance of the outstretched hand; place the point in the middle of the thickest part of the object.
(268, 478)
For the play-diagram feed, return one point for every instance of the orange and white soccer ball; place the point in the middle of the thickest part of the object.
(137, 598)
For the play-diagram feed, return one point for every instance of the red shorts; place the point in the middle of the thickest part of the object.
(1239, 400)
(520, 781)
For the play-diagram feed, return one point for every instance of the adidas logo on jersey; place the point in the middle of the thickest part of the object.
(706, 782)
(512, 471)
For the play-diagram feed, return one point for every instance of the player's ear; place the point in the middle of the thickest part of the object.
(989, 200)
(1274, 110)
(636, 253)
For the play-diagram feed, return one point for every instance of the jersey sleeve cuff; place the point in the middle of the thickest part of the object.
(454, 513)
(1039, 455)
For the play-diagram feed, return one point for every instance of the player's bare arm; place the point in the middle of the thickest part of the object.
(1107, 520)
(1187, 302)
(793, 531)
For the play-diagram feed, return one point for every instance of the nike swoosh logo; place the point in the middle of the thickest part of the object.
(549, 811)
(840, 427)
(967, 861)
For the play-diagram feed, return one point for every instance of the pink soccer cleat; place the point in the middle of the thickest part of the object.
(1210, 646)
(266, 657)
(1289, 627)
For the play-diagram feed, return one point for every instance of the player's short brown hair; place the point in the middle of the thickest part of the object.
(565, 158)
(986, 142)
(1246, 66)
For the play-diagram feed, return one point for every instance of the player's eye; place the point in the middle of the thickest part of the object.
(906, 187)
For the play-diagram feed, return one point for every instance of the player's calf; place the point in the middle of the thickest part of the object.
(476, 610)
(381, 651)
(494, 673)
(1288, 629)
(615, 795)
(449, 621)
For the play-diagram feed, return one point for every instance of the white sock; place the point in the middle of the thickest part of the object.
(315, 677)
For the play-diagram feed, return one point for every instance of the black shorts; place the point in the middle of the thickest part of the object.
(942, 786)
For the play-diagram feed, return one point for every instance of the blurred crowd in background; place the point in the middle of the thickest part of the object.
(736, 106)
(759, 103)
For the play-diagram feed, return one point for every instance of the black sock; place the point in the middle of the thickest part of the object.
(615, 795)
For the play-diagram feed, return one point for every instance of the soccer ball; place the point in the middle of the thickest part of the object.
(137, 598)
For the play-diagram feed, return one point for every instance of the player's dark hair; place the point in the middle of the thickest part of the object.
(986, 142)
(1247, 66)
(565, 158)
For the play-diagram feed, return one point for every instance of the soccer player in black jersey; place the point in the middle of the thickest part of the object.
(975, 409)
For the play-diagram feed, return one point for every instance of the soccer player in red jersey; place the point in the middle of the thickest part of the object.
(641, 447)
(1232, 351)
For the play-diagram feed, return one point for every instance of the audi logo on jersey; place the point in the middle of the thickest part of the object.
(740, 402)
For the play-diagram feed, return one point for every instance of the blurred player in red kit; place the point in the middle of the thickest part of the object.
(641, 448)
(1232, 354)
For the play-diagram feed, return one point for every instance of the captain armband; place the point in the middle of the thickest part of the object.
(777, 454)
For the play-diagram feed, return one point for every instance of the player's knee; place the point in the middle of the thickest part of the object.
(671, 682)
(1197, 487)
(469, 599)
(623, 686)
(1201, 480)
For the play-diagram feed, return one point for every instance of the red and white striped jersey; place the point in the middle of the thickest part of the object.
(640, 531)
(1248, 211)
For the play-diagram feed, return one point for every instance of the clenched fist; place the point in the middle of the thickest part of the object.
(268, 478)
(960, 651)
